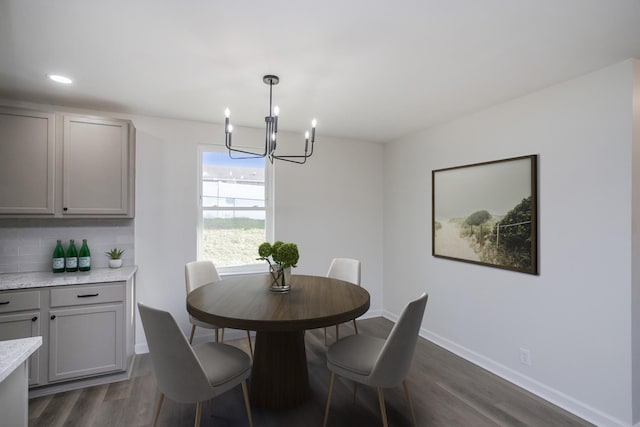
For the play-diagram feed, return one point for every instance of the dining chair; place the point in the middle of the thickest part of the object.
(187, 374)
(346, 269)
(196, 274)
(377, 362)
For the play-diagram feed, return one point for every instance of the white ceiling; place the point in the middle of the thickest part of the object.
(366, 69)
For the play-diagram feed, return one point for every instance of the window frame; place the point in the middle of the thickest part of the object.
(268, 211)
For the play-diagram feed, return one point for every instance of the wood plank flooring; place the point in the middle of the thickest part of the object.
(447, 391)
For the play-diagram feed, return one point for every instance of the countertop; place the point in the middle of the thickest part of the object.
(14, 352)
(41, 279)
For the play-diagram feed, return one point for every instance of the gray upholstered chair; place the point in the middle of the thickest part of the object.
(189, 374)
(346, 269)
(200, 273)
(377, 362)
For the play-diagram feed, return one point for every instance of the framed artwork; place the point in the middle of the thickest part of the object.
(487, 214)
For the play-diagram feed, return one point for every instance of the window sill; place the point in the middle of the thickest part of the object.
(243, 269)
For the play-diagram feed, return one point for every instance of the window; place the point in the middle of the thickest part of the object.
(234, 212)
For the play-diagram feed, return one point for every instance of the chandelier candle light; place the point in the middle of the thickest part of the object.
(271, 133)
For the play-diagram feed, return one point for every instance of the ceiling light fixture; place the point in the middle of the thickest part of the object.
(60, 79)
(271, 133)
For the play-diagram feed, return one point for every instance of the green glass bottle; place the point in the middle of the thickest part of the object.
(84, 258)
(71, 263)
(58, 258)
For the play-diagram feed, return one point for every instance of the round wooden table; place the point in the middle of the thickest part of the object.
(279, 376)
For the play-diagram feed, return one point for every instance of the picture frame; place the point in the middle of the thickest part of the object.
(487, 213)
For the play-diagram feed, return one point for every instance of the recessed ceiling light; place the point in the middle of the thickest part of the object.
(60, 79)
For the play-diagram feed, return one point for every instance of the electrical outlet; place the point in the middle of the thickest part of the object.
(525, 356)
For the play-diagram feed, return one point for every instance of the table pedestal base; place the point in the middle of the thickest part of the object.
(279, 376)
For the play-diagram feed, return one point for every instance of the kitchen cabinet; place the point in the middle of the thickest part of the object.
(27, 162)
(65, 165)
(96, 167)
(87, 328)
(20, 318)
(86, 335)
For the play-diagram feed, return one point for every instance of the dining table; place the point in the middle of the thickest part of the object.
(279, 374)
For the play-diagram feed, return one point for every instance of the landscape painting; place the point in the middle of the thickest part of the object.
(486, 213)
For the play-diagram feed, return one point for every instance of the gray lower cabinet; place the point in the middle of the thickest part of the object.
(87, 329)
(23, 325)
(20, 318)
(85, 341)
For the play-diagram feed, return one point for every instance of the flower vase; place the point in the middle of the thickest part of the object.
(281, 279)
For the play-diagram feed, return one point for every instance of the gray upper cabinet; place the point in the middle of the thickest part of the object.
(27, 162)
(96, 172)
(66, 165)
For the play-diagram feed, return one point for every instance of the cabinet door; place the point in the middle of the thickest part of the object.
(23, 325)
(27, 156)
(85, 341)
(95, 167)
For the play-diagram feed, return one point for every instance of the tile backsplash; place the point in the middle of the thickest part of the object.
(27, 244)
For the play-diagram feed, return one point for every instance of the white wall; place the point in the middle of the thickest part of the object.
(331, 206)
(635, 300)
(575, 317)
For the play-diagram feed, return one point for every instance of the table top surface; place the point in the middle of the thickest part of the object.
(245, 302)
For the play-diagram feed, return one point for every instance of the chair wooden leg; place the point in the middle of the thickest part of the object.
(355, 326)
(250, 345)
(246, 402)
(382, 408)
(406, 391)
(217, 335)
(198, 414)
(337, 332)
(193, 331)
(222, 339)
(326, 411)
(158, 406)
(325, 337)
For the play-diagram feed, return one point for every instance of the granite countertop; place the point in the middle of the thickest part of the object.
(41, 279)
(14, 352)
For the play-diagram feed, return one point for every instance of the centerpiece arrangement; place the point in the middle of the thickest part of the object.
(281, 257)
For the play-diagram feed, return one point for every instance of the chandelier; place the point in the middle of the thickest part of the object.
(271, 133)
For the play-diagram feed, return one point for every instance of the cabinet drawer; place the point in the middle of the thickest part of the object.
(89, 294)
(18, 301)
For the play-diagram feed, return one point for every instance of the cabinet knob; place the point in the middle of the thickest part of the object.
(53, 317)
(34, 318)
(65, 209)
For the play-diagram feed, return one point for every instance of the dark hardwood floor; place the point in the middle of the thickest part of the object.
(446, 391)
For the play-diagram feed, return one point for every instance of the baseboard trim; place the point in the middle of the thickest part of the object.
(541, 390)
(142, 348)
